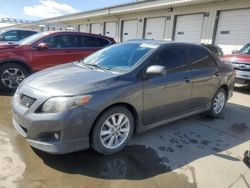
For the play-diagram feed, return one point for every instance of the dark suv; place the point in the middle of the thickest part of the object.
(15, 35)
(44, 50)
(130, 87)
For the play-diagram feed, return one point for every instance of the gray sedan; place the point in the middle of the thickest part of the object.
(127, 88)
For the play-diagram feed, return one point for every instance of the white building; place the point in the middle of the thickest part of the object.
(222, 22)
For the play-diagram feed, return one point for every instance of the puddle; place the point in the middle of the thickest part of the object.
(240, 127)
(207, 118)
(134, 162)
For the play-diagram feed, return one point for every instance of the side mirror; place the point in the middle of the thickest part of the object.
(156, 70)
(42, 46)
(235, 52)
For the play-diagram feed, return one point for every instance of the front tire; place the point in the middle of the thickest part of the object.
(112, 130)
(218, 103)
(11, 75)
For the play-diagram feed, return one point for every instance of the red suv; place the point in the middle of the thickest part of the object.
(44, 50)
(240, 60)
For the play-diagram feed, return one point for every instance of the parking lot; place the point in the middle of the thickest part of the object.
(194, 152)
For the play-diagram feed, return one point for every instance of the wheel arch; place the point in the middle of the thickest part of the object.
(17, 61)
(128, 106)
(226, 88)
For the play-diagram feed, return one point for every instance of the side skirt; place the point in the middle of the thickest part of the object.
(143, 127)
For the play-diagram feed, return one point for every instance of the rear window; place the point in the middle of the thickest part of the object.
(200, 58)
(93, 42)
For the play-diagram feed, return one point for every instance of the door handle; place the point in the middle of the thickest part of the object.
(216, 74)
(68, 51)
(187, 79)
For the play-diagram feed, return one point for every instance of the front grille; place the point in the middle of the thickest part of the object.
(26, 100)
(241, 66)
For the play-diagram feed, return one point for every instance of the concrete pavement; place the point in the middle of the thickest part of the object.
(194, 152)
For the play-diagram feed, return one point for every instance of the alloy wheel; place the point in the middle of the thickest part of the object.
(115, 131)
(12, 77)
(219, 102)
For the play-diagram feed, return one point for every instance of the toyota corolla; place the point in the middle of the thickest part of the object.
(127, 88)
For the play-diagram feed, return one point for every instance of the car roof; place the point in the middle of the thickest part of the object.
(212, 45)
(161, 42)
(19, 29)
(76, 32)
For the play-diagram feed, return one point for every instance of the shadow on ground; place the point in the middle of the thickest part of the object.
(162, 149)
(134, 162)
(4, 93)
(242, 89)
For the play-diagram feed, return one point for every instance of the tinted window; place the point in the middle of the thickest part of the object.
(200, 58)
(245, 49)
(24, 34)
(174, 59)
(33, 38)
(10, 36)
(215, 49)
(103, 42)
(92, 42)
(63, 41)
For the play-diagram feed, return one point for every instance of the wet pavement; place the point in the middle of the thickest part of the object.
(194, 152)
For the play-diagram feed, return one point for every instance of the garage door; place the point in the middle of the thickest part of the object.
(110, 29)
(233, 30)
(96, 28)
(155, 28)
(188, 28)
(84, 28)
(129, 30)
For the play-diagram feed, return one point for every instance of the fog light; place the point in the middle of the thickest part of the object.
(57, 136)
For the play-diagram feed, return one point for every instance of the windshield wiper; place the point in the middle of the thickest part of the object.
(96, 66)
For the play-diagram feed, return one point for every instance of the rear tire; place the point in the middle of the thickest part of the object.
(218, 103)
(112, 130)
(11, 75)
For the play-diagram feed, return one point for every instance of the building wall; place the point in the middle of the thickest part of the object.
(210, 9)
(149, 9)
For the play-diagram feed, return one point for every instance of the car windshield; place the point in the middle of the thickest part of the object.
(29, 40)
(119, 58)
(245, 49)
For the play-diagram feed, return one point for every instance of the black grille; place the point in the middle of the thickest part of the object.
(26, 100)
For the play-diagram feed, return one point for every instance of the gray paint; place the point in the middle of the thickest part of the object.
(156, 100)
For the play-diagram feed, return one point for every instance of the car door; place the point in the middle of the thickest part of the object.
(54, 55)
(204, 75)
(65, 48)
(167, 96)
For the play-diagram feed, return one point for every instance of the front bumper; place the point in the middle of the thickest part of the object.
(242, 77)
(72, 127)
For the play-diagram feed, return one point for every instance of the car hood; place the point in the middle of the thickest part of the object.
(70, 79)
(237, 58)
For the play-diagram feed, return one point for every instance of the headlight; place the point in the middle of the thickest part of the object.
(59, 104)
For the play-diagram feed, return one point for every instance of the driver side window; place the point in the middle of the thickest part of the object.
(173, 58)
(62, 41)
